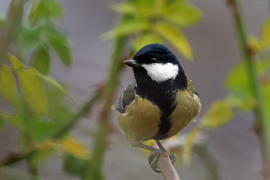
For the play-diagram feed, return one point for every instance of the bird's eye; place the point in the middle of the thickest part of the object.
(153, 60)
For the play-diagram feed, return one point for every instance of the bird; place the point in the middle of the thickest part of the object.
(159, 103)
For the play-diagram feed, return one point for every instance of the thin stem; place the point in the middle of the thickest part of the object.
(32, 167)
(94, 97)
(100, 141)
(11, 27)
(260, 110)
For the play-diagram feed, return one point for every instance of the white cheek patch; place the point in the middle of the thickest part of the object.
(161, 72)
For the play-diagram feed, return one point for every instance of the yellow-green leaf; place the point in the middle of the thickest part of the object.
(188, 146)
(127, 28)
(240, 99)
(217, 115)
(7, 83)
(41, 60)
(255, 44)
(265, 32)
(125, 8)
(75, 147)
(33, 91)
(176, 38)
(50, 80)
(237, 78)
(45, 10)
(16, 63)
(145, 39)
(182, 14)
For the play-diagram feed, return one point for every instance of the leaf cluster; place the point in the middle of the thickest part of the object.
(156, 21)
(40, 35)
(31, 100)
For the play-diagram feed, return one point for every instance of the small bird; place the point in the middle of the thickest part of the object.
(161, 101)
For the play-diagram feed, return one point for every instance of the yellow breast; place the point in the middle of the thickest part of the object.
(141, 119)
(188, 108)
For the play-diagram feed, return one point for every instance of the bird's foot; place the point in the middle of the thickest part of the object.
(154, 157)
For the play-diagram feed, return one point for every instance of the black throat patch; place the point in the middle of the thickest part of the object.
(167, 106)
(163, 95)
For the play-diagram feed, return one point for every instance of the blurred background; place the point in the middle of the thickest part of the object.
(234, 147)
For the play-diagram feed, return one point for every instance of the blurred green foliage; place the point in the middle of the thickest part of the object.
(35, 103)
(151, 21)
(240, 97)
(31, 100)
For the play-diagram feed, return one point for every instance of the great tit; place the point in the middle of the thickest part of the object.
(161, 101)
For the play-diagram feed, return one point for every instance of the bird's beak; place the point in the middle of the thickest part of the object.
(132, 63)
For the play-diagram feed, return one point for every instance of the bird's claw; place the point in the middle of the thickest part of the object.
(153, 160)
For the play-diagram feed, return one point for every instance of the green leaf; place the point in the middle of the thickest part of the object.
(176, 38)
(74, 166)
(16, 63)
(182, 14)
(265, 32)
(7, 83)
(61, 46)
(238, 98)
(138, 8)
(238, 77)
(45, 10)
(33, 91)
(127, 28)
(50, 80)
(217, 115)
(41, 60)
(145, 39)
(16, 118)
(28, 39)
(43, 128)
(125, 8)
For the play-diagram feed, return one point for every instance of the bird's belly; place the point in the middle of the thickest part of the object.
(140, 121)
(188, 108)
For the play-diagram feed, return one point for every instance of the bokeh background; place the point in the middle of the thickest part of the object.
(235, 148)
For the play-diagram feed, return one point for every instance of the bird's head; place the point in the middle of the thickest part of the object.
(157, 62)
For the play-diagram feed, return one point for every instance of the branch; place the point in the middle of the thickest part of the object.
(260, 110)
(100, 139)
(16, 157)
(11, 27)
(167, 169)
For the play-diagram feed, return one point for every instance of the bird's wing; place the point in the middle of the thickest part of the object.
(126, 97)
(191, 88)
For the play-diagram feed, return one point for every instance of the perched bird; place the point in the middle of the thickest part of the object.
(161, 101)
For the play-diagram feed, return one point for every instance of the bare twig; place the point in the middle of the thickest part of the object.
(167, 169)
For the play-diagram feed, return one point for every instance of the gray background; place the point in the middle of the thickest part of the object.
(213, 41)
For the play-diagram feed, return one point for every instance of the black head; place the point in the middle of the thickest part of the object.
(155, 53)
(155, 62)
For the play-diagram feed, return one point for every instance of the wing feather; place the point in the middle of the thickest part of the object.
(126, 97)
